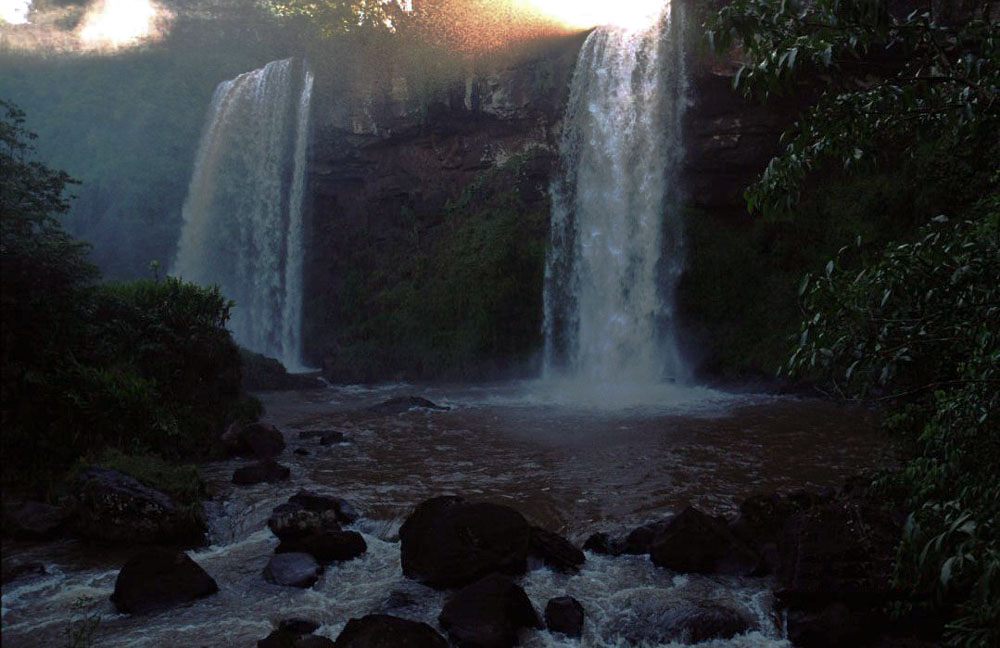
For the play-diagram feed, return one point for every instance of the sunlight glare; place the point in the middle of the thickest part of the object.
(14, 12)
(583, 14)
(114, 23)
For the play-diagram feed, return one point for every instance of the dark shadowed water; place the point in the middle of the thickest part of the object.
(572, 460)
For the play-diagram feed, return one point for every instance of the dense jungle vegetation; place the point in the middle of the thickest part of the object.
(145, 369)
(913, 324)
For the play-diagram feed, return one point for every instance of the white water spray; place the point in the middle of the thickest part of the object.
(243, 220)
(616, 245)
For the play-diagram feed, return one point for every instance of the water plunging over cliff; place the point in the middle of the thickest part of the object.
(243, 218)
(615, 247)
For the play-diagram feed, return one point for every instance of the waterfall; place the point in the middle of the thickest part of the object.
(243, 220)
(616, 242)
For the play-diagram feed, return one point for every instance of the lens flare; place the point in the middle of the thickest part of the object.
(583, 14)
(114, 23)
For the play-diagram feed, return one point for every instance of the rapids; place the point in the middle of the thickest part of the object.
(571, 467)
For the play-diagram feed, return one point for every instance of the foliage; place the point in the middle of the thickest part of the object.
(886, 84)
(182, 482)
(467, 303)
(329, 18)
(914, 325)
(83, 624)
(146, 366)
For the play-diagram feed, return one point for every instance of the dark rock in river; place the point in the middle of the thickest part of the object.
(292, 520)
(449, 542)
(279, 638)
(32, 520)
(697, 623)
(330, 438)
(602, 543)
(695, 542)
(298, 626)
(344, 510)
(292, 569)
(761, 523)
(259, 440)
(839, 551)
(404, 404)
(556, 551)
(642, 538)
(385, 631)
(113, 507)
(314, 641)
(302, 452)
(564, 614)
(267, 470)
(488, 614)
(157, 579)
(326, 547)
(14, 569)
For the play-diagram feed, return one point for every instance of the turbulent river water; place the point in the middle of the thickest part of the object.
(573, 463)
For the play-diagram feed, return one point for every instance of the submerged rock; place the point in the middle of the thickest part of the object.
(110, 506)
(157, 579)
(564, 614)
(657, 616)
(488, 614)
(385, 631)
(449, 542)
(695, 542)
(260, 440)
(314, 502)
(697, 623)
(603, 543)
(327, 546)
(292, 569)
(554, 550)
(641, 539)
(267, 470)
(294, 633)
(404, 404)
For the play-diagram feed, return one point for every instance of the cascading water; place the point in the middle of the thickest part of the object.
(243, 221)
(616, 246)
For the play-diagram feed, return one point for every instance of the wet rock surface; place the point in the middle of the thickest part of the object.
(564, 614)
(267, 470)
(156, 579)
(554, 550)
(109, 506)
(404, 404)
(259, 440)
(695, 542)
(488, 614)
(327, 546)
(386, 631)
(292, 569)
(449, 542)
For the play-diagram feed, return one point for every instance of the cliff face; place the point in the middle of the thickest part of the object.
(387, 170)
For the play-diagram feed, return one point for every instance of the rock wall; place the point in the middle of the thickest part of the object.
(385, 166)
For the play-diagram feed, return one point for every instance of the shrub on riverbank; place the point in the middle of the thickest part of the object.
(143, 367)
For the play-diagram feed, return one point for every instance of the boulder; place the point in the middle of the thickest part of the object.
(282, 638)
(30, 520)
(292, 569)
(760, 524)
(603, 543)
(554, 550)
(404, 404)
(842, 550)
(697, 623)
(695, 542)
(292, 520)
(110, 506)
(260, 440)
(345, 512)
(449, 542)
(385, 631)
(642, 538)
(302, 452)
(488, 614)
(157, 579)
(314, 641)
(266, 470)
(298, 626)
(13, 569)
(330, 438)
(564, 614)
(327, 546)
